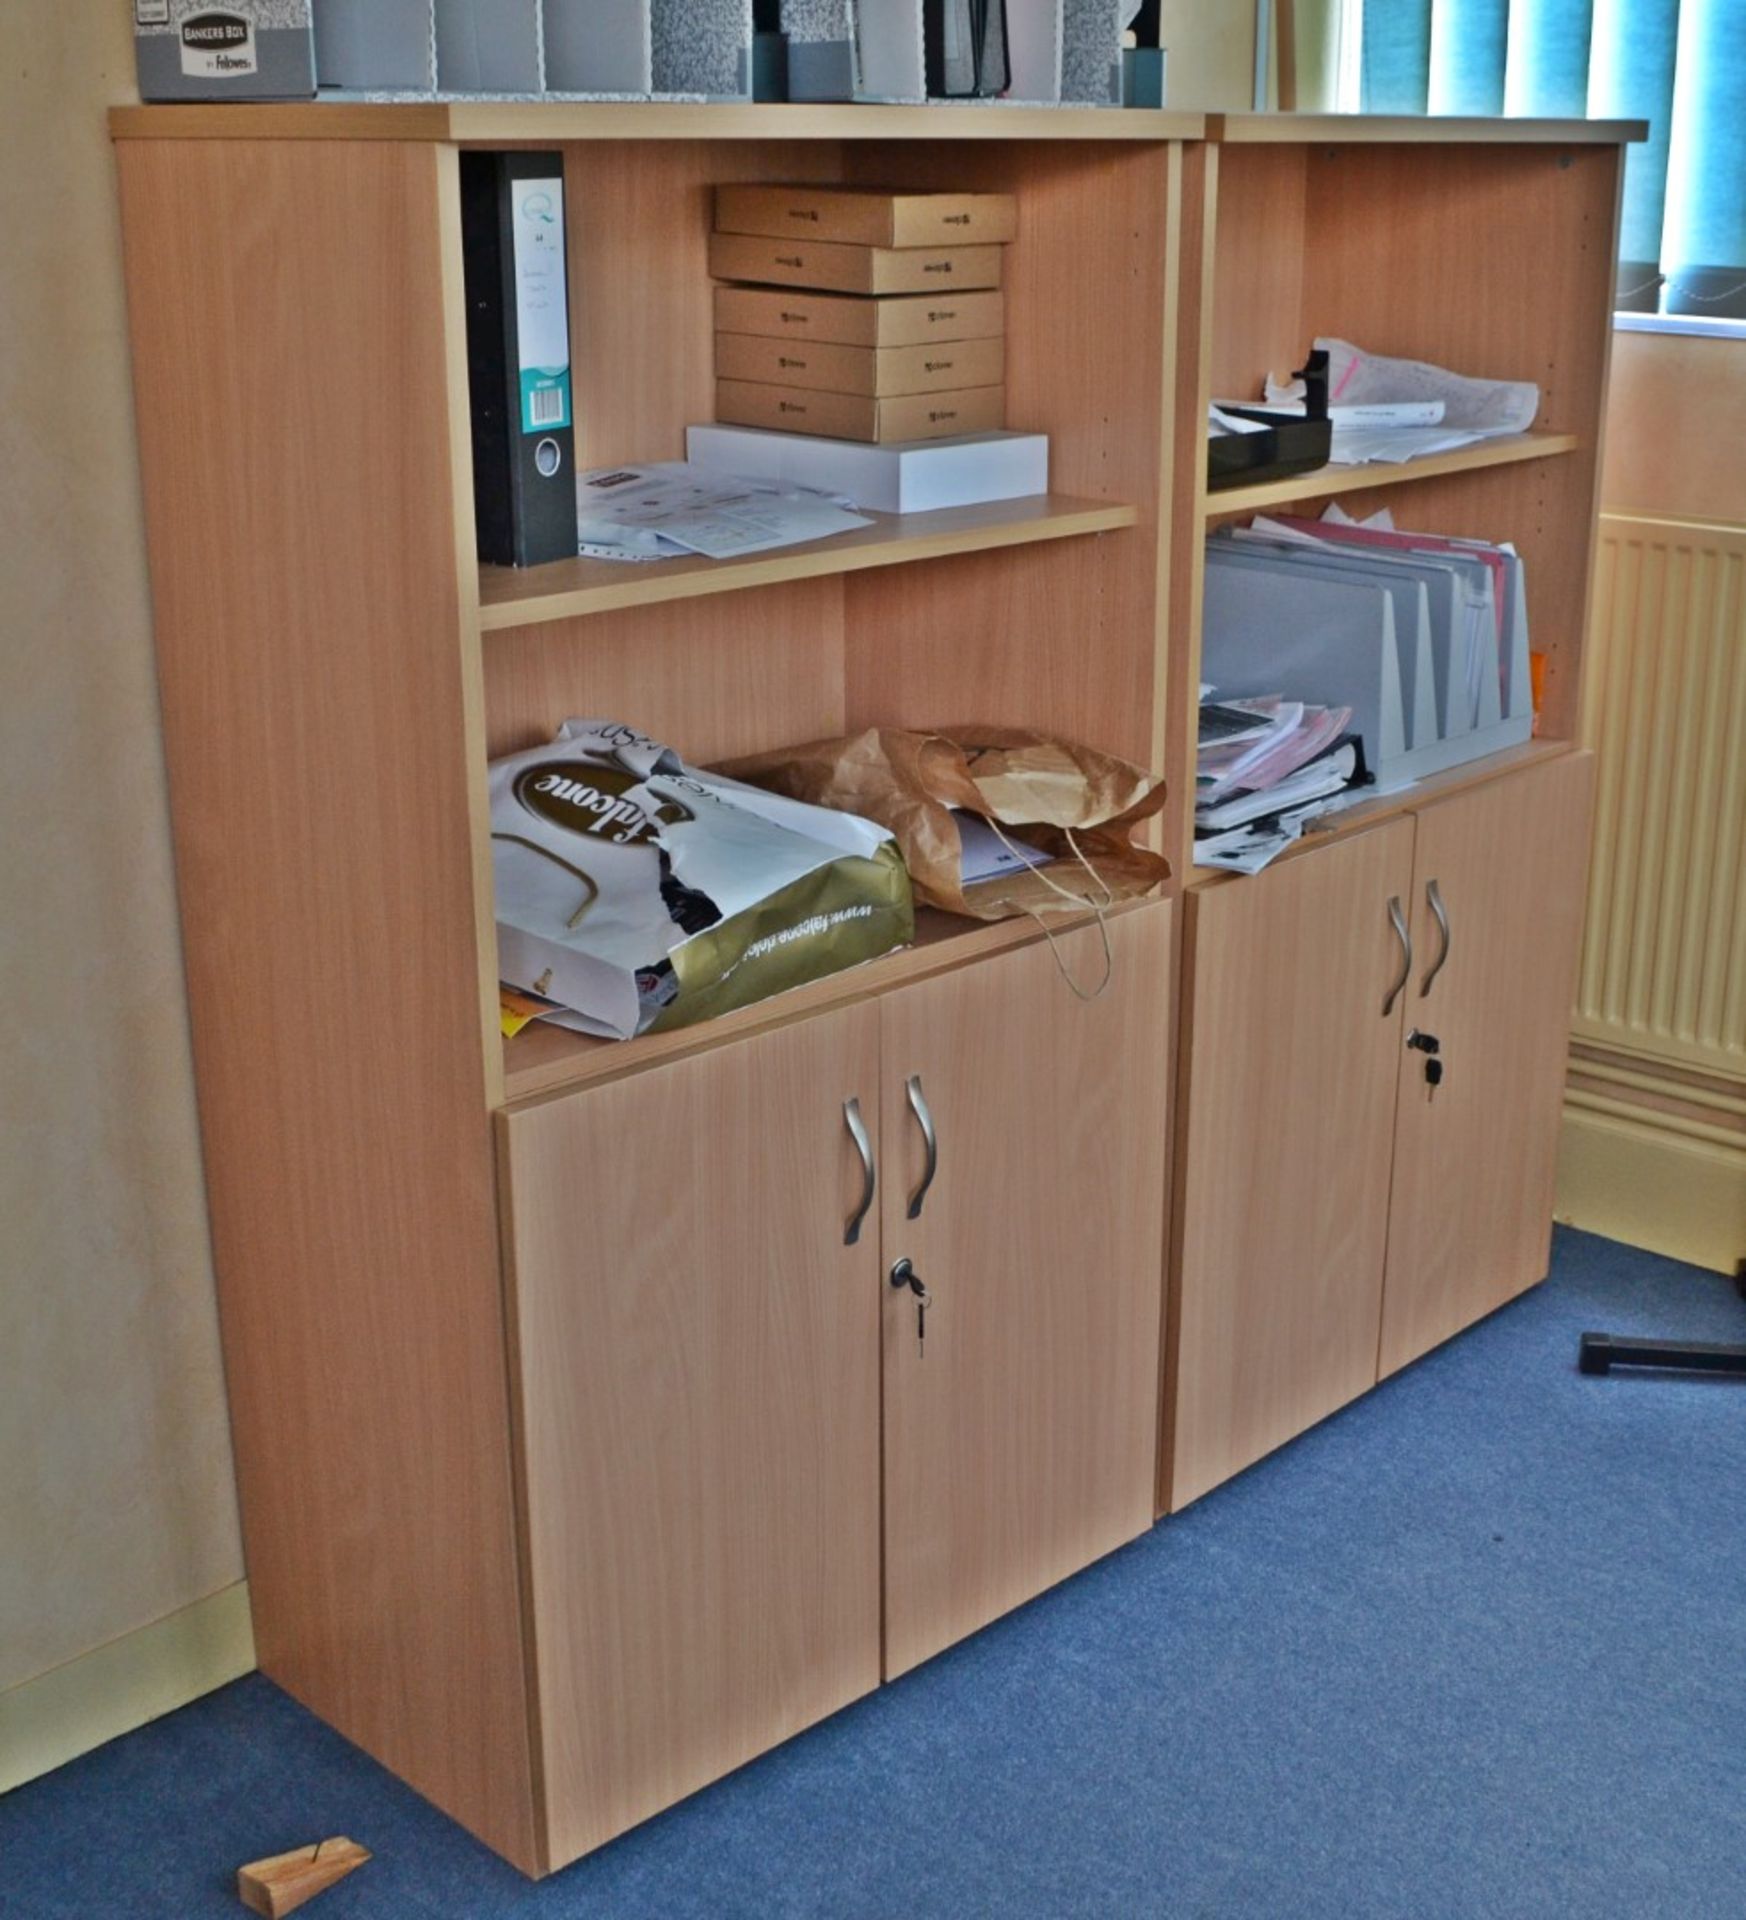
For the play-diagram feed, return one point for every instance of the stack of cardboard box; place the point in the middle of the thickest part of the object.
(860, 314)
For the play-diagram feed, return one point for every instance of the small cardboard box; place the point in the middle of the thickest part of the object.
(857, 416)
(846, 319)
(837, 267)
(224, 49)
(877, 371)
(867, 217)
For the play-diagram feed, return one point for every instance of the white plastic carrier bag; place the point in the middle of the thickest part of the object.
(638, 892)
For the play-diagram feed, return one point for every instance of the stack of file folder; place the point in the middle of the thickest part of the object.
(1266, 767)
(1042, 52)
(1423, 636)
(966, 49)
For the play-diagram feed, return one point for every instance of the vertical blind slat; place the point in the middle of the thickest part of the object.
(1703, 249)
(1395, 56)
(1546, 72)
(1469, 50)
(1630, 77)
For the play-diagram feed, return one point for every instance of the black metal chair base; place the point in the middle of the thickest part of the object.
(1601, 1352)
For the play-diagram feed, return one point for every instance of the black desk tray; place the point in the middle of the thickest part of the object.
(1285, 448)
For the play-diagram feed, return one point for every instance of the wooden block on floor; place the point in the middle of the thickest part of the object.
(283, 1882)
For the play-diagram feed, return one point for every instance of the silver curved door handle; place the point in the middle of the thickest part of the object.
(1397, 920)
(918, 1105)
(864, 1147)
(1439, 913)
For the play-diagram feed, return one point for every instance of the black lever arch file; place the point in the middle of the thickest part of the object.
(518, 356)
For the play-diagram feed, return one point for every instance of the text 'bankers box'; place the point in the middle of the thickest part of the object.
(518, 357)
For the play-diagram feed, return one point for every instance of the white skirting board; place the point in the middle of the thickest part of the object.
(121, 1685)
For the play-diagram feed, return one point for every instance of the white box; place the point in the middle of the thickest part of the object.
(911, 476)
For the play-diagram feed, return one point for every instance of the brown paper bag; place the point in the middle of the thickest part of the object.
(1071, 801)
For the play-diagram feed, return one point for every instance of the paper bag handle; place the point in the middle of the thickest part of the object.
(1077, 900)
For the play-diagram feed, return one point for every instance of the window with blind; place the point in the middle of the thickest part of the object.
(1679, 64)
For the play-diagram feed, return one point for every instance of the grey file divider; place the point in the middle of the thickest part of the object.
(1300, 620)
(1034, 46)
(1329, 640)
(599, 46)
(864, 50)
(1487, 641)
(1516, 687)
(490, 46)
(1446, 583)
(376, 46)
(1412, 616)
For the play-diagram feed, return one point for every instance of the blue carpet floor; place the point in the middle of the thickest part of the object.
(1475, 1647)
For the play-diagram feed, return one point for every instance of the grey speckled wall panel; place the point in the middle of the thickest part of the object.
(703, 46)
(1091, 52)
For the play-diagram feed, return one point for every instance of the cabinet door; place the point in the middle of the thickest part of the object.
(1285, 1137)
(1471, 1218)
(699, 1404)
(1020, 1435)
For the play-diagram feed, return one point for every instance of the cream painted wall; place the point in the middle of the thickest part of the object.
(1674, 407)
(116, 1499)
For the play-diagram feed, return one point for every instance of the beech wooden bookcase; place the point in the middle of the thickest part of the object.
(1334, 1215)
(582, 1455)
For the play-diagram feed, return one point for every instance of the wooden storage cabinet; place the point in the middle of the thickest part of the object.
(575, 1472)
(1285, 1138)
(1470, 1217)
(697, 1354)
(1375, 1215)
(1021, 1434)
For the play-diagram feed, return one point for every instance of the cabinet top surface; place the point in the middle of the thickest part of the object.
(1346, 129)
(498, 122)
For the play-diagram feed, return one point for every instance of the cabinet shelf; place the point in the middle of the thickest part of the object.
(563, 589)
(1503, 452)
(546, 1059)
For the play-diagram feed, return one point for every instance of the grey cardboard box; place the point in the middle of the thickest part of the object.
(224, 49)
(489, 46)
(599, 46)
(376, 46)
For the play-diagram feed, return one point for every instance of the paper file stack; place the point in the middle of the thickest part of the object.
(1265, 768)
(1423, 636)
(860, 315)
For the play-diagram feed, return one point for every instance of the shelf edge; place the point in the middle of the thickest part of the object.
(812, 563)
(1326, 481)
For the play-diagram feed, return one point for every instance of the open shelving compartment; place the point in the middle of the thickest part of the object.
(1483, 247)
(1044, 612)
